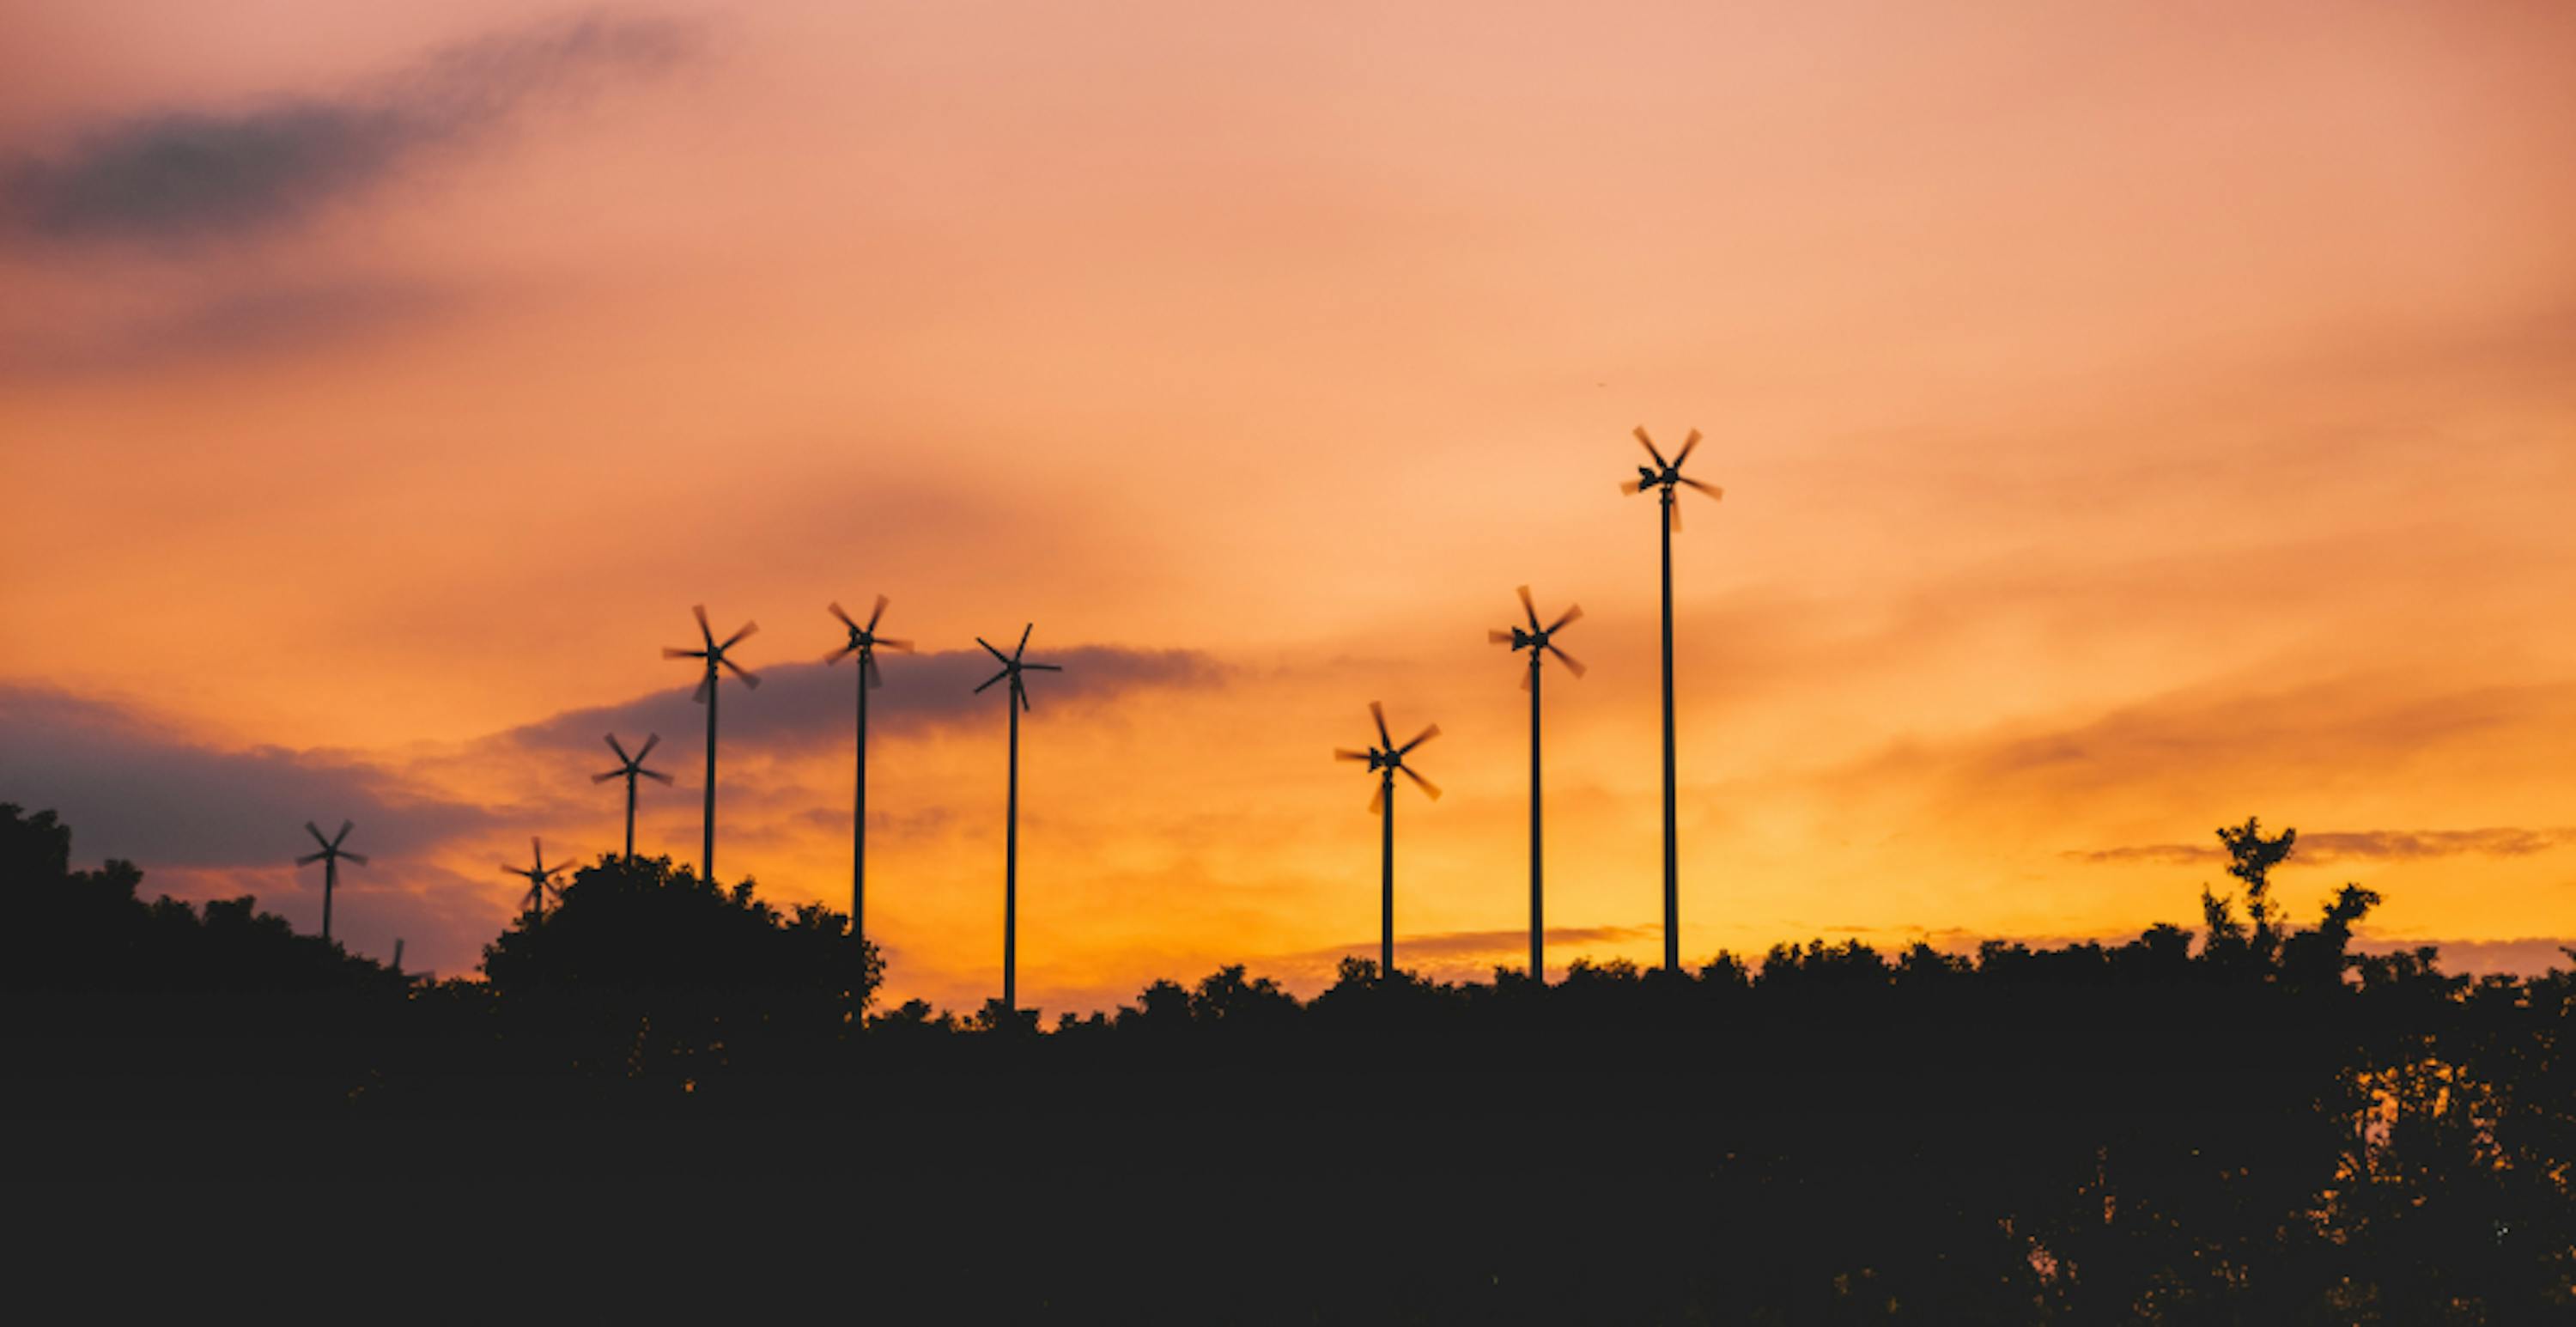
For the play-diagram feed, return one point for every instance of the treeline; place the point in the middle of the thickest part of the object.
(2245, 1122)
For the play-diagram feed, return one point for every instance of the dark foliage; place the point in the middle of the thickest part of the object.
(2258, 1128)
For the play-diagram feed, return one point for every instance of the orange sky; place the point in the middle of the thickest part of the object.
(2133, 417)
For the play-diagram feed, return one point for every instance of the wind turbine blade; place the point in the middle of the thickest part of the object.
(651, 740)
(1345, 753)
(1632, 485)
(868, 665)
(316, 831)
(700, 610)
(603, 778)
(1573, 614)
(519, 871)
(891, 643)
(1041, 668)
(536, 852)
(1687, 444)
(730, 641)
(654, 774)
(1572, 664)
(1426, 785)
(1660, 463)
(1022, 692)
(834, 608)
(988, 682)
(1377, 711)
(877, 613)
(675, 652)
(837, 655)
(343, 835)
(1024, 640)
(310, 858)
(1377, 800)
(1710, 489)
(705, 685)
(1528, 605)
(1499, 637)
(622, 757)
(1674, 513)
(1424, 736)
(749, 678)
(1526, 675)
(988, 649)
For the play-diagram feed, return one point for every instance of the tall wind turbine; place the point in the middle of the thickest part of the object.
(714, 654)
(628, 767)
(1384, 760)
(330, 857)
(1663, 476)
(1540, 642)
(864, 642)
(540, 878)
(1016, 700)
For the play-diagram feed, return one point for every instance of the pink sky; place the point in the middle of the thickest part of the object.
(2133, 417)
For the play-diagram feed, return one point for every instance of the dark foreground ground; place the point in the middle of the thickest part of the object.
(2036, 1157)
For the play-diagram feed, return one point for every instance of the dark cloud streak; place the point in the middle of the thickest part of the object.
(129, 790)
(2394, 845)
(804, 704)
(185, 175)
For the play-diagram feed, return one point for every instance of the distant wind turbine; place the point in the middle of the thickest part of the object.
(1539, 641)
(1663, 476)
(1016, 700)
(330, 857)
(1385, 759)
(628, 767)
(865, 642)
(540, 878)
(714, 654)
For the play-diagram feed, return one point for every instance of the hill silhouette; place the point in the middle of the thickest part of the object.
(2243, 1123)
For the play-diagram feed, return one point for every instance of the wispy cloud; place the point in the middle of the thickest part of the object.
(190, 174)
(805, 704)
(2396, 845)
(130, 789)
(237, 324)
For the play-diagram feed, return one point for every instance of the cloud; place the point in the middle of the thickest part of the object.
(2479, 958)
(806, 704)
(191, 174)
(242, 323)
(2393, 845)
(129, 789)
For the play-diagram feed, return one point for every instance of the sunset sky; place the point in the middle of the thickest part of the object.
(2133, 417)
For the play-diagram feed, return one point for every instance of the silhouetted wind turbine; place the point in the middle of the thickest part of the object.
(1663, 476)
(714, 654)
(1016, 700)
(627, 768)
(864, 641)
(540, 878)
(1385, 759)
(330, 857)
(1539, 641)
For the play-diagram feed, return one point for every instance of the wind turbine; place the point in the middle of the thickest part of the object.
(1016, 700)
(1539, 641)
(863, 641)
(1663, 476)
(540, 878)
(627, 768)
(330, 857)
(714, 654)
(1384, 760)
